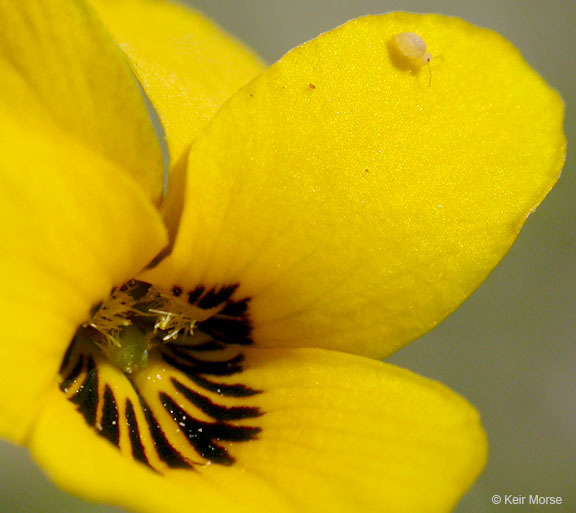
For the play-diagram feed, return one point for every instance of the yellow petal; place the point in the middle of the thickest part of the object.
(357, 203)
(87, 465)
(74, 223)
(73, 226)
(186, 64)
(334, 433)
(59, 68)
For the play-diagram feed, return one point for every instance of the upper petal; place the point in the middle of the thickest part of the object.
(186, 64)
(76, 219)
(60, 68)
(354, 201)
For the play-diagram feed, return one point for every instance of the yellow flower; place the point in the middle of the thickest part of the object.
(215, 348)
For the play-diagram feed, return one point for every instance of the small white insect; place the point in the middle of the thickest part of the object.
(411, 48)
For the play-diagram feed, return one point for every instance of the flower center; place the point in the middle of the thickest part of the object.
(155, 372)
(138, 317)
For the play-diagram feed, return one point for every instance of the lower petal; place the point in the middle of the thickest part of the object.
(302, 430)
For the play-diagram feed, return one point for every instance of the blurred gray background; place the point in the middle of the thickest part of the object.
(510, 348)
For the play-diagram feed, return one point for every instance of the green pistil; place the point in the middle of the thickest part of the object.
(132, 353)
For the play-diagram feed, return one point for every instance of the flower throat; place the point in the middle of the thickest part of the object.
(135, 319)
(159, 374)
(138, 317)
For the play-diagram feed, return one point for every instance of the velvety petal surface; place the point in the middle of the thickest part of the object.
(76, 219)
(356, 201)
(283, 430)
(187, 65)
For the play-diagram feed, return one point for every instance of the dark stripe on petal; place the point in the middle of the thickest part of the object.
(215, 297)
(138, 451)
(195, 294)
(73, 374)
(164, 449)
(235, 308)
(235, 390)
(86, 397)
(216, 411)
(211, 345)
(110, 428)
(213, 368)
(231, 433)
(231, 331)
(197, 433)
(185, 353)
